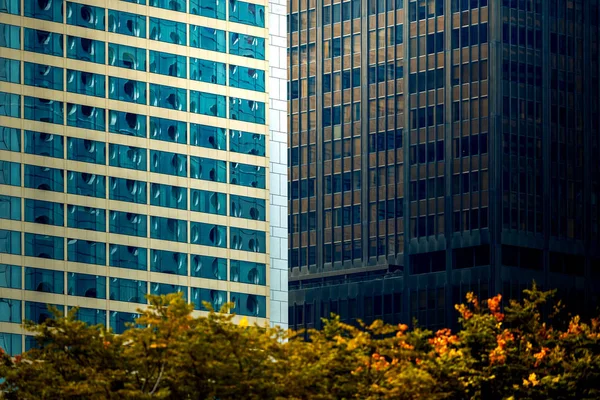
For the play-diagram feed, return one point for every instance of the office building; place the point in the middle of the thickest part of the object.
(439, 147)
(136, 144)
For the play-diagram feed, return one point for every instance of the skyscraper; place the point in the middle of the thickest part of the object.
(135, 157)
(439, 147)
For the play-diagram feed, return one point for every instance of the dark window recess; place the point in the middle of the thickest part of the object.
(567, 264)
(465, 5)
(427, 80)
(427, 152)
(471, 257)
(522, 257)
(471, 145)
(427, 188)
(428, 262)
(469, 36)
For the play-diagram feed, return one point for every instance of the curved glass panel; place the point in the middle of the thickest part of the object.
(87, 117)
(44, 42)
(247, 207)
(10, 242)
(128, 57)
(10, 276)
(10, 173)
(49, 10)
(208, 104)
(10, 36)
(85, 49)
(171, 229)
(247, 13)
(128, 157)
(208, 169)
(10, 70)
(208, 234)
(119, 321)
(207, 71)
(86, 83)
(205, 38)
(248, 272)
(10, 105)
(215, 298)
(127, 23)
(163, 162)
(44, 212)
(44, 144)
(166, 288)
(86, 16)
(44, 178)
(91, 316)
(249, 304)
(80, 217)
(168, 64)
(125, 123)
(168, 97)
(44, 280)
(129, 257)
(86, 150)
(247, 175)
(44, 76)
(208, 8)
(167, 31)
(247, 110)
(10, 207)
(43, 110)
(247, 143)
(128, 290)
(168, 130)
(246, 45)
(246, 78)
(10, 139)
(44, 246)
(131, 224)
(128, 190)
(39, 312)
(86, 184)
(168, 196)
(210, 137)
(248, 240)
(85, 251)
(84, 285)
(10, 7)
(168, 262)
(208, 202)
(174, 5)
(10, 310)
(208, 267)
(126, 90)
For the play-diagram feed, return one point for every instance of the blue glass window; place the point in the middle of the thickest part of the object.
(168, 97)
(86, 83)
(84, 285)
(209, 267)
(129, 257)
(86, 184)
(164, 162)
(168, 130)
(175, 5)
(171, 229)
(44, 246)
(126, 90)
(10, 207)
(247, 207)
(210, 137)
(86, 16)
(125, 223)
(48, 10)
(205, 38)
(10, 173)
(168, 262)
(208, 8)
(10, 139)
(168, 196)
(39, 312)
(168, 64)
(44, 280)
(247, 143)
(11, 343)
(247, 78)
(44, 110)
(11, 7)
(86, 150)
(44, 144)
(10, 36)
(247, 175)
(10, 276)
(44, 42)
(207, 71)
(167, 31)
(10, 70)
(248, 240)
(91, 316)
(44, 212)
(128, 190)
(81, 217)
(128, 157)
(128, 57)
(128, 290)
(166, 288)
(85, 49)
(247, 13)
(248, 272)
(208, 169)
(120, 321)
(85, 251)
(10, 105)
(208, 235)
(249, 304)
(44, 76)
(208, 202)
(10, 310)
(87, 117)
(247, 110)
(125, 123)
(127, 23)
(10, 242)
(44, 178)
(208, 104)
(141, 2)
(246, 45)
(215, 298)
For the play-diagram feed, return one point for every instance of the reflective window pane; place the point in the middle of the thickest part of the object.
(159, 289)
(122, 256)
(246, 78)
(208, 234)
(168, 64)
(247, 13)
(10, 276)
(44, 76)
(85, 16)
(10, 70)
(43, 42)
(44, 246)
(86, 251)
(126, 90)
(40, 312)
(49, 10)
(10, 242)
(43, 110)
(247, 143)
(208, 8)
(10, 208)
(248, 240)
(167, 31)
(10, 139)
(10, 105)
(168, 262)
(125, 123)
(205, 38)
(89, 218)
(11, 343)
(86, 184)
(247, 110)
(86, 150)
(164, 162)
(44, 178)
(44, 144)
(208, 136)
(248, 272)
(246, 45)
(127, 23)
(174, 5)
(128, 290)
(249, 304)
(124, 223)
(128, 190)
(247, 207)
(86, 83)
(170, 229)
(11, 7)
(91, 316)
(128, 157)
(208, 104)
(44, 212)
(128, 57)
(247, 175)
(208, 169)
(168, 196)
(85, 49)
(87, 117)
(207, 71)
(168, 130)
(215, 298)
(119, 321)
(208, 267)
(208, 202)
(84, 285)
(44, 280)
(168, 97)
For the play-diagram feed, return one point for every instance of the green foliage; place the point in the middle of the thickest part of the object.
(512, 353)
